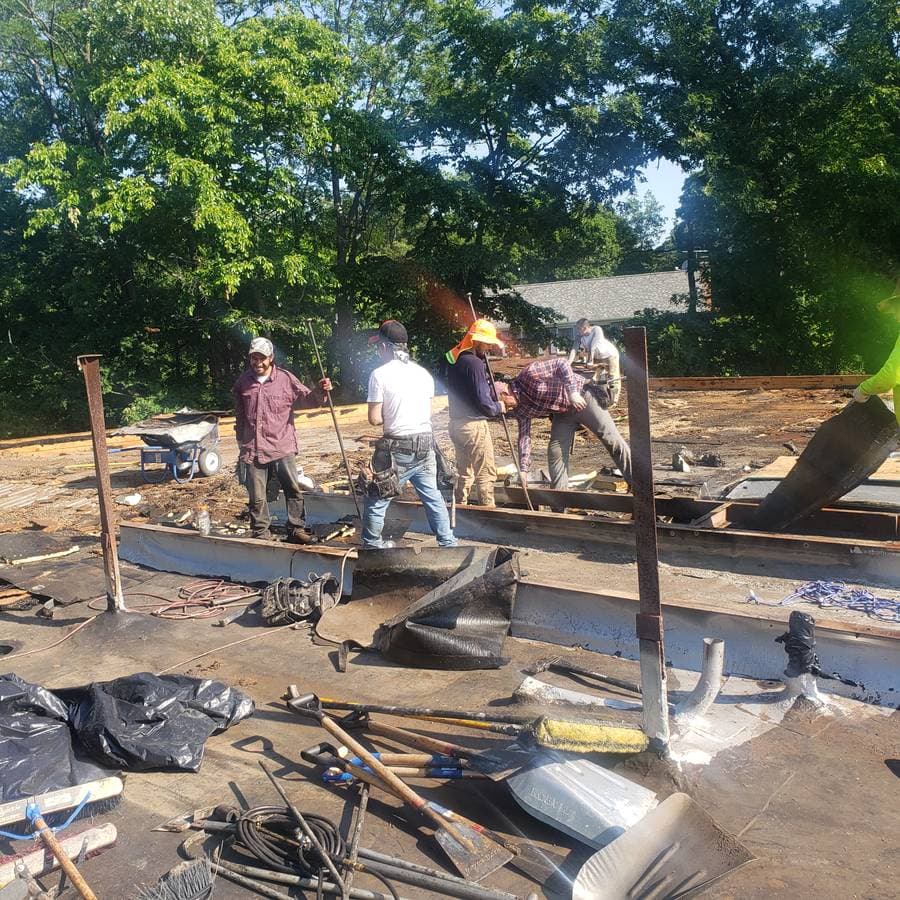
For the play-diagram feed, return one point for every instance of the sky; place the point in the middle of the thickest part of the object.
(664, 181)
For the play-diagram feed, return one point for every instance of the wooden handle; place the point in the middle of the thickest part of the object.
(411, 739)
(398, 787)
(410, 759)
(53, 845)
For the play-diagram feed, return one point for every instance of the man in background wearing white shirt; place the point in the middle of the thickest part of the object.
(400, 395)
(596, 349)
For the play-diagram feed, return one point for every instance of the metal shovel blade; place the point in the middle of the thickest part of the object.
(674, 851)
(486, 855)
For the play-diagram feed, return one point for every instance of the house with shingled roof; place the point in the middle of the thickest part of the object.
(608, 301)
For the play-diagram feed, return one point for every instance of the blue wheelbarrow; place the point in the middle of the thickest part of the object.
(180, 445)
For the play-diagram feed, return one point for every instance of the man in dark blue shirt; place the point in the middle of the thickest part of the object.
(472, 406)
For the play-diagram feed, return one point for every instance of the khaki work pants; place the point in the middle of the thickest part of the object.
(474, 459)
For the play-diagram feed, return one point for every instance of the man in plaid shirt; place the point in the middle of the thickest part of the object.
(549, 387)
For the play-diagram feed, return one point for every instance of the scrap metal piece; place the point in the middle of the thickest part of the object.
(532, 690)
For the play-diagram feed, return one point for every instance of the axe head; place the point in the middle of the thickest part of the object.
(541, 665)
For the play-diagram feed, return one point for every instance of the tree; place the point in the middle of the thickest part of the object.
(169, 161)
(641, 223)
(788, 113)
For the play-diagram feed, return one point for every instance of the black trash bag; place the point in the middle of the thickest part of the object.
(462, 623)
(800, 645)
(147, 721)
(36, 753)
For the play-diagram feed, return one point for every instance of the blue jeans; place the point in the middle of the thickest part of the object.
(421, 472)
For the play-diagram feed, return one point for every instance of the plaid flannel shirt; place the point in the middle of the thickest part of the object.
(542, 388)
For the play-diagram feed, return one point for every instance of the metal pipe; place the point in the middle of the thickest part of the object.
(512, 447)
(707, 689)
(89, 366)
(364, 791)
(649, 619)
(337, 429)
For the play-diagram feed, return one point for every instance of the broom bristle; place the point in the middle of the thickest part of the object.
(187, 881)
(589, 737)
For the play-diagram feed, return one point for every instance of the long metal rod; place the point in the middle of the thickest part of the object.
(337, 430)
(324, 856)
(89, 366)
(649, 620)
(513, 449)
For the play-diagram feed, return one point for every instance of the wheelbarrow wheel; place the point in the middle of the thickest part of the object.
(208, 463)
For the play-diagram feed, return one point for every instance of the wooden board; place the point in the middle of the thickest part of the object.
(77, 442)
(758, 382)
(782, 465)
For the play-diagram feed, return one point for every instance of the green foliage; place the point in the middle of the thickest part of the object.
(788, 113)
(176, 177)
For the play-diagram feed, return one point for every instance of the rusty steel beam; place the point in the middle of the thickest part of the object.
(865, 524)
(655, 712)
(89, 366)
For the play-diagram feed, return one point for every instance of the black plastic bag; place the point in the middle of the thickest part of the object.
(147, 721)
(36, 753)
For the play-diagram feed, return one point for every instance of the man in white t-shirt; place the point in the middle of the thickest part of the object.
(598, 350)
(400, 395)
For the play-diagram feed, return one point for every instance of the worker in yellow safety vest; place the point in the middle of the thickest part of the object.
(888, 377)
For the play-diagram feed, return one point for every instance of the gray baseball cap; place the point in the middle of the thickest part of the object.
(261, 345)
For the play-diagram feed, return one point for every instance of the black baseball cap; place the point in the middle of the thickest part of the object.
(392, 331)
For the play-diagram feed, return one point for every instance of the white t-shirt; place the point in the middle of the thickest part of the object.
(405, 391)
(597, 346)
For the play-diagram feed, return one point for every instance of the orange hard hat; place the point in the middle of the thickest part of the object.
(484, 332)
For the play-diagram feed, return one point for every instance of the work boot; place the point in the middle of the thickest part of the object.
(301, 536)
(264, 536)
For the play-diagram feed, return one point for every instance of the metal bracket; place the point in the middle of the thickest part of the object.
(649, 627)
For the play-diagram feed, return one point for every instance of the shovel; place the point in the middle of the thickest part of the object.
(535, 862)
(674, 851)
(474, 854)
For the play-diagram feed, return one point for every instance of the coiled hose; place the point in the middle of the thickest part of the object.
(271, 836)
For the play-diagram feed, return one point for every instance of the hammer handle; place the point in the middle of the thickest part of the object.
(66, 864)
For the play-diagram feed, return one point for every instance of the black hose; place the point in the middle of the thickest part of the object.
(270, 835)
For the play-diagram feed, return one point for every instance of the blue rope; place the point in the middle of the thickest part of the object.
(32, 811)
(835, 593)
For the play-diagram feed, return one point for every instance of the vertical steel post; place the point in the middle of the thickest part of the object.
(649, 619)
(89, 366)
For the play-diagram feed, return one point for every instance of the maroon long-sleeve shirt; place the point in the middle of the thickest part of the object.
(264, 414)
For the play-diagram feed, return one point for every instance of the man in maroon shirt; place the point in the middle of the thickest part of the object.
(265, 398)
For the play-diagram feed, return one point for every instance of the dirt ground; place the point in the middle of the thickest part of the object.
(746, 428)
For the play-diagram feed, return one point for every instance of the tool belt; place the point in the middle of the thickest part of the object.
(417, 444)
(383, 482)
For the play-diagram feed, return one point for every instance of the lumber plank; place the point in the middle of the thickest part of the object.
(781, 466)
(762, 382)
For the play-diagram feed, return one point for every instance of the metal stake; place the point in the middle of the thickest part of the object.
(649, 619)
(89, 366)
(337, 430)
(515, 453)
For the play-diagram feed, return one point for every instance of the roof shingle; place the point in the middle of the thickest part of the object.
(612, 299)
